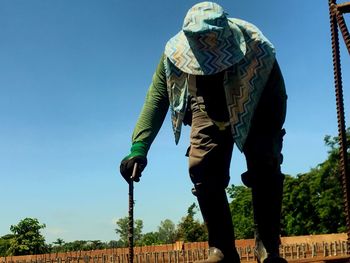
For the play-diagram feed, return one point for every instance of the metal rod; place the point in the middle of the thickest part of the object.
(340, 113)
(344, 7)
(131, 214)
(344, 30)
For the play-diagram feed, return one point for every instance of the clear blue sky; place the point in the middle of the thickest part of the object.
(73, 76)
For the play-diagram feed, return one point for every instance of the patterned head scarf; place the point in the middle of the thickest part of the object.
(208, 43)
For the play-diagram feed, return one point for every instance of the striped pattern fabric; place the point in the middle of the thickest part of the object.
(177, 87)
(243, 83)
(207, 43)
(253, 72)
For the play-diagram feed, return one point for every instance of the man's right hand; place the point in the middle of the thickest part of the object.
(127, 167)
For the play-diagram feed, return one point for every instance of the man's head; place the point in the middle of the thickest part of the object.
(205, 17)
(208, 42)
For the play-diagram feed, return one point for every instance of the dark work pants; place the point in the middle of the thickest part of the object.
(209, 163)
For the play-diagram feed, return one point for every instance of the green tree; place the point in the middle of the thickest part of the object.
(27, 239)
(58, 245)
(59, 242)
(191, 230)
(313, 202)
(113, 244)
(298, 211)
(150, 238)
(76, 245)
(167, 232)
(123, 231)
(242, 211)
(5, 243)
(331, 204)
(95, 245)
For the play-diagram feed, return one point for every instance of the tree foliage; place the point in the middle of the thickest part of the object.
(79, 245)
(5, 243)
(151, 238)
(242, 211)
(27, 239)
(312, 202)
(190, 229)
(167, 232)
(123, 231)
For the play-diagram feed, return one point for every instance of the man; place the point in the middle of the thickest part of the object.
(220, 76)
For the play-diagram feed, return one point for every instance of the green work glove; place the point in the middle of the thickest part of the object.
(138, 153)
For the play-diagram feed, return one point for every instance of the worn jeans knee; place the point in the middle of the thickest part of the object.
(209, 153)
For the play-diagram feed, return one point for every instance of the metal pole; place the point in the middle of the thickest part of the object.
(342, 25)
(131, 214)
(344, 7)
(340, 113)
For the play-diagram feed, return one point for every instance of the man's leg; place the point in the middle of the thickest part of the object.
(263, 154)
(266, 181)
(209, 161)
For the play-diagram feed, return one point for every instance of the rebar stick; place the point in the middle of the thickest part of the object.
(344, 7)
(340, 113)
(131, 214)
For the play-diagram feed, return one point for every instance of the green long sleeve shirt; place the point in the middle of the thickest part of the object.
(154, 109)
(156, 106)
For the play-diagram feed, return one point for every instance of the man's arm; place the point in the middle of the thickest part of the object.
(154, 110)
(148, 124)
